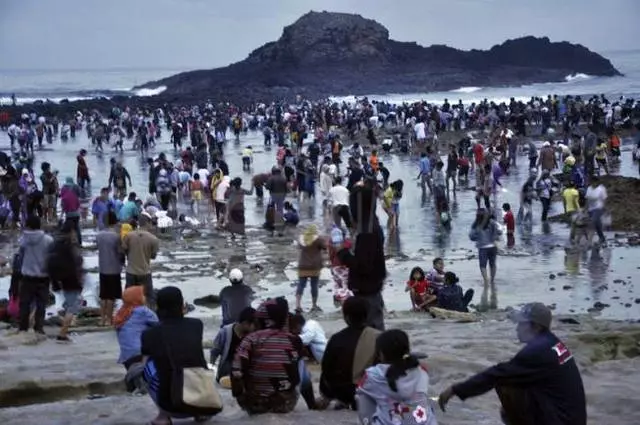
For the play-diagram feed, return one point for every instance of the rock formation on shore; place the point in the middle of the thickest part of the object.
(325, 53)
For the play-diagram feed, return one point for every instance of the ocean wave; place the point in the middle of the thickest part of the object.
(149, 92)
(577, 77)
(470, 89)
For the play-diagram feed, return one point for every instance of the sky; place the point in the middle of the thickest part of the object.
(195, 34)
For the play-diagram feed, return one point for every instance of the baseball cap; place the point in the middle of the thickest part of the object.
(235, 275)
(537, 313)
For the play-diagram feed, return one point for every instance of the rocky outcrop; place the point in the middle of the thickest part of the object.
(325, 54)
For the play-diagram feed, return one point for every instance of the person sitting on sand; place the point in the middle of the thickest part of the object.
(265, 373)
(227, 341)
(540, 385)
(419, 289)
(451, 297)
(130, 321)
(348, 353)
(436, 274)
(314, 340)
(395, 391)
(174, 344)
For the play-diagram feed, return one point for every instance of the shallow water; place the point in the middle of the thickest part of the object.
(523, 273)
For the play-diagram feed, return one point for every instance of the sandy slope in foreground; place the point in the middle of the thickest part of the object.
(67, 373)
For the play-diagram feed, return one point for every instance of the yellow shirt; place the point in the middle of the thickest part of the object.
(387, 198)
(571, 196)
(124, 229)
(601, 151)
(247, 152)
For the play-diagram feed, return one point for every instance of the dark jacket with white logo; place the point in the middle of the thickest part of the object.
(541, 385)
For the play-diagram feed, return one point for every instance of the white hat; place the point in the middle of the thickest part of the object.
(546, 144)
(25, 171)
(235, 275)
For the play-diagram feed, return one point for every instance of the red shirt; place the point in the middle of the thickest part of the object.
(510, 222)
(420, 287)
(478, 153)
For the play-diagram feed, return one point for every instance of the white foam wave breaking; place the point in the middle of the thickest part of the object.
(149, 92)
(577, 77)
(470, 89)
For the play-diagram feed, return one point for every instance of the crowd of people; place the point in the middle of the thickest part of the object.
(262, 353)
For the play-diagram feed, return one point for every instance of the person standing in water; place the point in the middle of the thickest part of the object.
(110, 262)
(485, 232)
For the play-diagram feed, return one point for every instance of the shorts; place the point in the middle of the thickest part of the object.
(487, 255)
(110, 286)
(196, 195)
(72, 302)
(615, 151)
(601, 161)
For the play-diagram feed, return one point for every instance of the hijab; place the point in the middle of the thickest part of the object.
(170, 303)
(132, 297)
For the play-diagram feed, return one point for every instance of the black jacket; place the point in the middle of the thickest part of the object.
(367, 269)
(545, 378)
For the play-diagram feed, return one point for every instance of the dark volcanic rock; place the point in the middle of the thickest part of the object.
(325, 53)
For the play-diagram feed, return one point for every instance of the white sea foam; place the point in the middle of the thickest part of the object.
(577, 77)
(149, 92)
(470, 89)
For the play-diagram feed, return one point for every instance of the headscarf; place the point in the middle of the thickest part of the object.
(310, 234)
(68, 181)
(125, 228)
(272, 313)
(132, 297)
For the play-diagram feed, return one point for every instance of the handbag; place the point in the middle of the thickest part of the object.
(193, 390)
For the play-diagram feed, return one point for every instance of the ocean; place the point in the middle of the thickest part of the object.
(32, 84)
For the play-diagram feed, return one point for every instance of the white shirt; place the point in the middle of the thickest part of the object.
(203, 173)
(596, 197)
(313, 335)
(419, 128)
(221, 190)
(339, 195)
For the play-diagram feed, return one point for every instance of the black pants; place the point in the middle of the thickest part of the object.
(33, 289)
(341, 212)
(546, 206)
(76, 226)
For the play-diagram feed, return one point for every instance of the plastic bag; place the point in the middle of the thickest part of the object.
(13, 309)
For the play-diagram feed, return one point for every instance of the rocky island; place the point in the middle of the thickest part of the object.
(325, 53)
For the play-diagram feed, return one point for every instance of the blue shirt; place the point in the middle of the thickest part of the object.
(128, 211)
(425, 166)
(130, 334)
(100, 208)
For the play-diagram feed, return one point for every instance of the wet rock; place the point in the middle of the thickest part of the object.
(567, 287)
(615, 298)
(637, 301)
(627, 305)
(561, 274)
(618, 281)
(209, 301)
(568, 321)
(552, 276)
(600, 305)
(552, 289)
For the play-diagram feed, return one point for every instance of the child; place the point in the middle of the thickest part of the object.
(247, 158)
(419, 289)
(463, 169)
(291, 216)
(601, 155)
(450, 297)
(395, 391)
(340, 274)
(580, 223)
(195, 188)
(311, 334)
(510, 222)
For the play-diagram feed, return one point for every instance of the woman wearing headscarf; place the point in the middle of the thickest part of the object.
(130, 321)
(309, 265)
(175, 343)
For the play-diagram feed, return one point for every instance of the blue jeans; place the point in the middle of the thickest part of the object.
(302, 283)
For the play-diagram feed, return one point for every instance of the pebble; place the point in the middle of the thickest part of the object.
(552, 289)
(567, 287)
(637, 301)
(552, 276)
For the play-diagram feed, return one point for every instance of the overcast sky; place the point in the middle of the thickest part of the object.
(190, 34)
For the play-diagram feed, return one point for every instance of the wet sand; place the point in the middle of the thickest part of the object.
(58, 382)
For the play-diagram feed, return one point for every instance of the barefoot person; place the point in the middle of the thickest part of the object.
(110, 262)
(540, 385)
